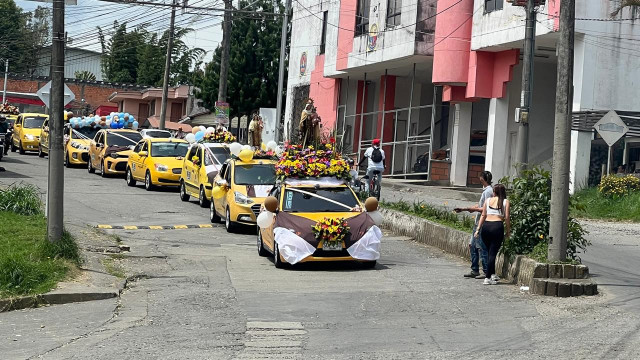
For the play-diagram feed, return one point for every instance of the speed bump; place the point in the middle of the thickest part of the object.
(153, 227)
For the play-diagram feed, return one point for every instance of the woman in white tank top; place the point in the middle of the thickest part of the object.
(494, 219)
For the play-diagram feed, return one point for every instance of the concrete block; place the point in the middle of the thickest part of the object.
(552, 288)
(582, 271)
(577, 289)
(539, 286)
(590, 289)
(541, 270)
(568, 271)
(555, 271)
(564, 289)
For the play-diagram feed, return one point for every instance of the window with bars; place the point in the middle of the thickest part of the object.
(323, 39)
(394, 10)
(493, 5)
(362, 17)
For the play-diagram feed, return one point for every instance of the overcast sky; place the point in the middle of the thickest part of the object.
(82, 20)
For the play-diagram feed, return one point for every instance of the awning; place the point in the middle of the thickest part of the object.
(169, 125)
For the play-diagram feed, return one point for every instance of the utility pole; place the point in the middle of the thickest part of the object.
(226, 47)
(522, 156)
(167, 68)
(283, 50)
(55, 191)
(6, 72)
(562, 134)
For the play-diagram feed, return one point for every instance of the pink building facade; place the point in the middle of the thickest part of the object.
(439, 81)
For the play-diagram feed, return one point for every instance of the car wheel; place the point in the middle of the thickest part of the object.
(20, 148)
(369, 264)
(90, 167)
(183, 192)
(103, 172)
(276, 257)
(67, 164)
(40, 153)
(148, 184)
(202, 199)
(228, 224)
(261, 250)
(129, 177)
(213, 216)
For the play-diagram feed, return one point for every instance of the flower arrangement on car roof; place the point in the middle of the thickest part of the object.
(331, 230)
(264, 154)
(320, 161)
(9, 109)
(219, 136)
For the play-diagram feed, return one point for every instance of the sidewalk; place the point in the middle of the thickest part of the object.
(440, 196)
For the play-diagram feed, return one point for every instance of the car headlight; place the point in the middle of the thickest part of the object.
(29, 137)
(116, 155)
(242, 199)
(160, 167)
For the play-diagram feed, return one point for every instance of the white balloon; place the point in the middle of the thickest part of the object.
(265, 219)
(108, 121)
(376, 216)
(210, 129)
(203, 129)
(279, 150)
(191, 138)
(235, 148)
(271, 145)
(246, 147)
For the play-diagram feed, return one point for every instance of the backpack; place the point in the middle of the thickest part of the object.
(376, 155)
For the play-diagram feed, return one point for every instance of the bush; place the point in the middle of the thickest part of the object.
(613, 186)
(21, 199)
(530, 198)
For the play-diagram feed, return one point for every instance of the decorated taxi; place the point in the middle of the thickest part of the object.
(110, 149)
(313, 215)
(26, 132)
(241, 187)
(209, 150)
(77, 141)
(157, 162)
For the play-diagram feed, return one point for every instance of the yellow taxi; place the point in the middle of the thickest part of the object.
(26, 132)
(302, 205)
(200, 167)
(77, 143)
(110, 149)
(245, 184)
(157, 162)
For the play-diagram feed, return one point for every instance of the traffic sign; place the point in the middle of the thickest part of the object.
(45, 94)
(611, 128)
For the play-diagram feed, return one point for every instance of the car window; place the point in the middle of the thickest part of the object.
(221, 154)
(123, 138)
(158, 134)
(46, 123)
(227, 175)
(311, 200)
(169, 149)
(85, 132)
(138, 147)
(98, 138)
(257, 174)
(223, 170)
(34, 122)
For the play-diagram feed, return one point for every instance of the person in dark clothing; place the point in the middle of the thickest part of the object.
(495, 218)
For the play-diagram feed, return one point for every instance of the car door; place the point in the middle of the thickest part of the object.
(220, 207)
(143, 162)
(95, 147)
(134, 160)
(228, 176)
(190, 174)
(44, 135)
(17, 132)
(267, 234)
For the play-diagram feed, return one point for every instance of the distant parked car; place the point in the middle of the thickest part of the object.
(155, 133)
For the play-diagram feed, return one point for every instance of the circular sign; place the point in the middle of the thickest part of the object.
(303, 63)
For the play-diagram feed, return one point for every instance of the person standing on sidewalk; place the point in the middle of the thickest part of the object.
(495, 217)
(476, 246)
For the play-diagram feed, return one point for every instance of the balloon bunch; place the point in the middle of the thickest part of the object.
(265, 219)
(113, 121)
(243, 152)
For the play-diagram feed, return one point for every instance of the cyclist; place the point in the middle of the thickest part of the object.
(376, 161)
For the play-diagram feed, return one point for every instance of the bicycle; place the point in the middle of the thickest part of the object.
(374, 184)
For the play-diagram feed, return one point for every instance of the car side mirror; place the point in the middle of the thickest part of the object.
(222, 183)
(143, 153)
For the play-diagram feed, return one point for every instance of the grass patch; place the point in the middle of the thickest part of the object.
(429, 212)
(113, 267)
(21, 199)
(29, 264)
(591, 204)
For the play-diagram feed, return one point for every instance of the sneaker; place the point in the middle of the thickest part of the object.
(495, 277)
(472, 274)
(488, 281)
(481, 276)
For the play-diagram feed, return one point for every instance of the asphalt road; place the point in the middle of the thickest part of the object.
(206, 294)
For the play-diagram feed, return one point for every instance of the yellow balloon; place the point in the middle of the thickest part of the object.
(217, 192)
(246, 155)
(263, 146)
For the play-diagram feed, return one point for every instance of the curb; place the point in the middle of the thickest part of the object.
(54, 299)
(153, 227)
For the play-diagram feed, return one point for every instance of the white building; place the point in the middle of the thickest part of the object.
(356, 59)
(75, 59)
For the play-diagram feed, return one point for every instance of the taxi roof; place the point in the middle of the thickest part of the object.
(253, 161)
(166, 140)
(34, 114)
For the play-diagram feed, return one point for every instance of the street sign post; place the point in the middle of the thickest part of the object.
(45, 94)
(611, 128)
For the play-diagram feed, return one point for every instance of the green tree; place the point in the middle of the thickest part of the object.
(85, 75)
(120, 59)
(624, 4)
(253, 61)
(23, 35)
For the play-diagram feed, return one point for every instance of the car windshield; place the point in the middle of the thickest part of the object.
(221, 154)
(85, 132)
(169, 149)
(34, 122)
(123, 138)
(158, 134)
(258, 174)
(319, 200)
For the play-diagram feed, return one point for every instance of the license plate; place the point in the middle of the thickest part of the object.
(335, 246)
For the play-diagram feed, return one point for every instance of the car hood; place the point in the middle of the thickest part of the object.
(316, 216)
(170, 162)
(34, 132)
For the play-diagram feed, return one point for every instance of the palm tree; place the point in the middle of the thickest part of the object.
(624, 4)
(85, 75)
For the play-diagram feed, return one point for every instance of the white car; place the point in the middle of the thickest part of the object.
(155, 133)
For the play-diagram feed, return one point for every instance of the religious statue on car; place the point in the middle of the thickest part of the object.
(255, 131)
(310, 124)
